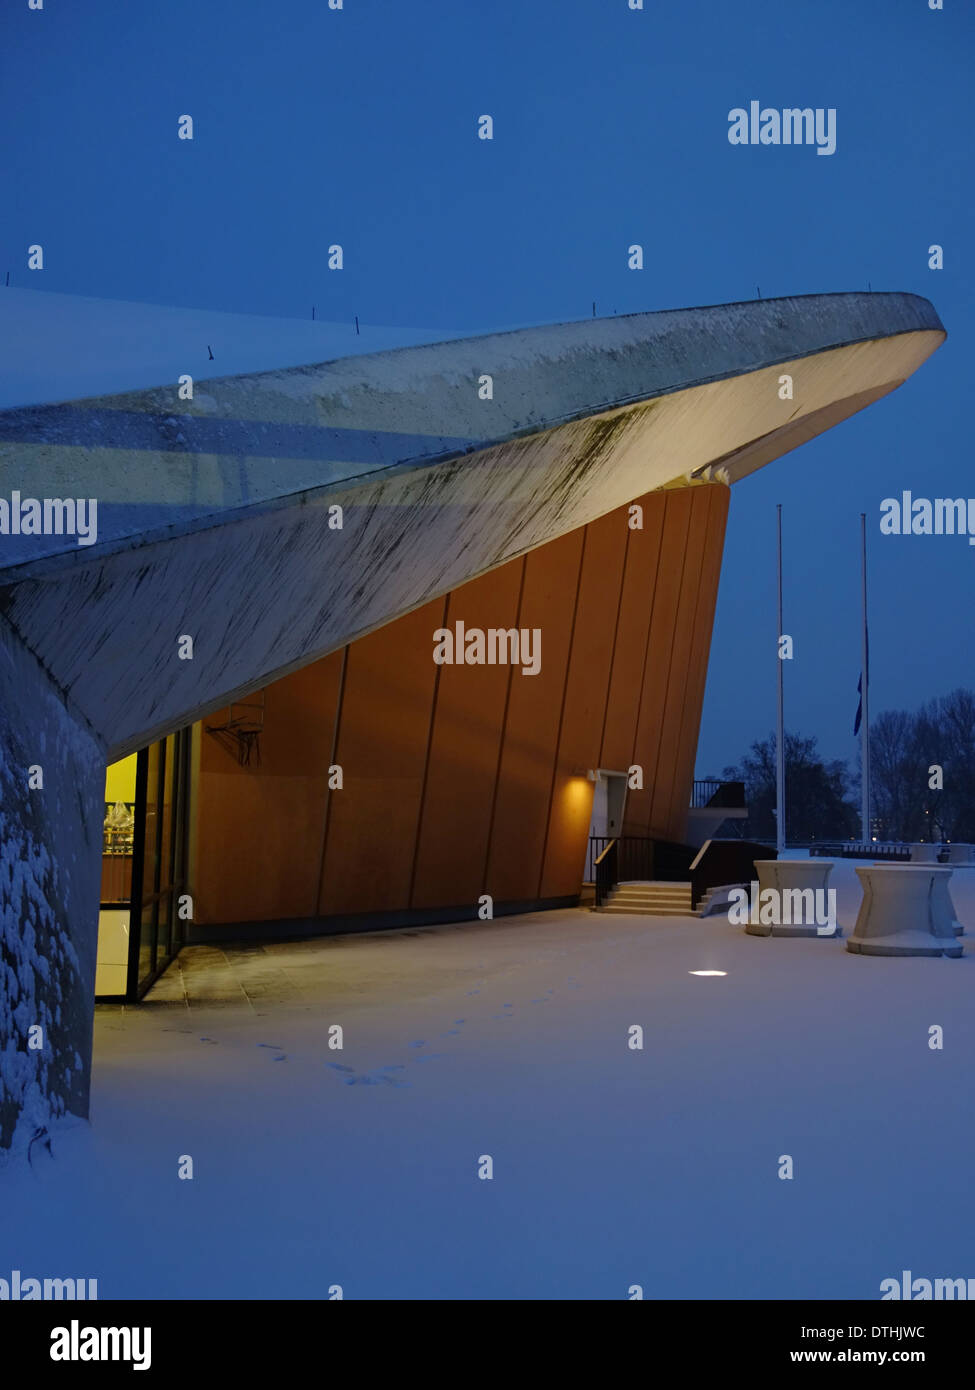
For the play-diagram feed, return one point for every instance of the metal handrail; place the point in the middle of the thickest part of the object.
(721, 795)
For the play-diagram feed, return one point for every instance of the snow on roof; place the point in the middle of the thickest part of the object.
(62, 347)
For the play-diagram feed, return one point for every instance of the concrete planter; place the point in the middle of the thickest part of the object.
(792, 876)
(943, 907)
(906, 911)
(924, 854)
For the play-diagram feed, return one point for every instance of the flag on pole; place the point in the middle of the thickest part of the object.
(856, 722)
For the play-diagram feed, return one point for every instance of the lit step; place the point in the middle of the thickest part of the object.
(632, 911)
(651, 897)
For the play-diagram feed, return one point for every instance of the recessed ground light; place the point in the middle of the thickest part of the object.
(707, 972)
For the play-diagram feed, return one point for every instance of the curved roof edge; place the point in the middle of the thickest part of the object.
(245, 444)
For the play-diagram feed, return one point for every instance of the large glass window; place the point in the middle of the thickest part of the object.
(118, 835)
(143, 866)
(146, 883)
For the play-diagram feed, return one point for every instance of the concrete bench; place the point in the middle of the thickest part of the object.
(793, 880)
(906, 911)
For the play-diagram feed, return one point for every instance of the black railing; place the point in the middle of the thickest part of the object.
(726, 796)
(857, 849)
(604, 870)
(635, 858)
(672, 861)
(726, 863)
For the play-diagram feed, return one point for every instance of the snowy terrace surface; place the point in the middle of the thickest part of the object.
(612, 1167)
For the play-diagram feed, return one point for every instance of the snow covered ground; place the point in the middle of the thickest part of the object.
(612, 1167)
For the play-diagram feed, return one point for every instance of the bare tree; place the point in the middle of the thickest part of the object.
(816, 791)
(923, 770)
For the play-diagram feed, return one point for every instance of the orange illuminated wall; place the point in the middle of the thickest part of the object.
(463, 780)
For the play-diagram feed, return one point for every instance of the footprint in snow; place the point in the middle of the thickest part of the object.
(376, 1078)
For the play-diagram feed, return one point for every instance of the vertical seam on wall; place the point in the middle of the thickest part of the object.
(674, 791)
(646, 653)
(426, 761)
(669, 671)
(558, 736)
(713, 527)
(612, 659)
(193, 819)
(328, 791)
(504, 730)
(673, 643)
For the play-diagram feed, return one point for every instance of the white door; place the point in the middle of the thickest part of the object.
(600, 808)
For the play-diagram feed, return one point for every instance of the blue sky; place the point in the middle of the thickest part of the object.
(359, 126)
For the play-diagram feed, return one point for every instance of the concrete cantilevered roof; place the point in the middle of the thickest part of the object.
(213, 514)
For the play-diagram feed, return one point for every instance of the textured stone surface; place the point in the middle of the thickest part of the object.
(50, 863)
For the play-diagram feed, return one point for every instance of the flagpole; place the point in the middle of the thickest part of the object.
(865, 680)
(780, 719)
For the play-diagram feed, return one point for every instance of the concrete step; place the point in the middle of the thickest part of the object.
(631, 911)
(659, 898)
(720, 892)
(662, 885)
(632, 895)
(640, 904)
(653, 893)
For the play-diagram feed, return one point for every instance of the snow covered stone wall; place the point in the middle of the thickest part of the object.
(52, 776)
